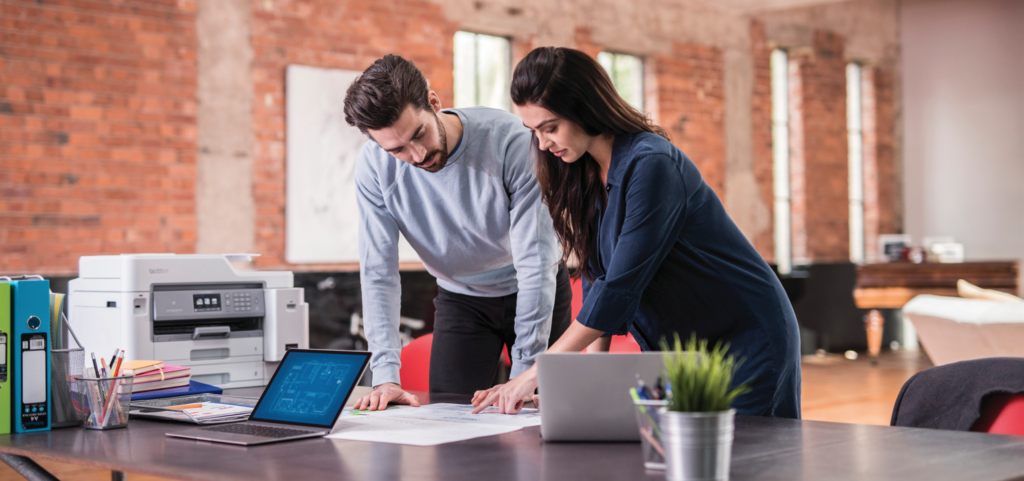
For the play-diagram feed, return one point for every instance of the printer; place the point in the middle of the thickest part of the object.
(230, 327)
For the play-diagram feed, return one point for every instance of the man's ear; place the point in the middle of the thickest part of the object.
(434, 100)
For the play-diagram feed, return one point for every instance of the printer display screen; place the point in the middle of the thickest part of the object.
(206, 302)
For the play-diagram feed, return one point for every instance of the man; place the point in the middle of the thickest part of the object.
(459, 185)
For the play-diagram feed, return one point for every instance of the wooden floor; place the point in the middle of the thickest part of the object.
(839, 390)
(834, 389)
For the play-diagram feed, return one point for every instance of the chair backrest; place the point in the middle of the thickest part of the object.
(415, 372)
(955, 396)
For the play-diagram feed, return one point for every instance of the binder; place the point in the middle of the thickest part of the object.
(6, 396)
(30, 336)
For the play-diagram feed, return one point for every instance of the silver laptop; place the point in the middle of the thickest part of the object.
(585, 397)
(303, 400)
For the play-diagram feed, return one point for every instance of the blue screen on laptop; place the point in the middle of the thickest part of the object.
(310, 387)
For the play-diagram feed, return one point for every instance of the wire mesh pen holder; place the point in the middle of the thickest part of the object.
(647, 420)
(66, 363)
(105, 401)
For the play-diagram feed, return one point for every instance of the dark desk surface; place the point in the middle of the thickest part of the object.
(764, 449)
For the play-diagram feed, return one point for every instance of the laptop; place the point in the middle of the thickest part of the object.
(585, 397)
(303, 400)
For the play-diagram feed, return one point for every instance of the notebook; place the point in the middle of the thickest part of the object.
(158, 384)
(139, 367)
(168, 372)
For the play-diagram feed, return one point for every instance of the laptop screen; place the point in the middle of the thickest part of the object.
(310, 387)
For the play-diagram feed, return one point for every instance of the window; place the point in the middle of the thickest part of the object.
(483, 70)
(780, 160)
(627, 73)
(855, 142)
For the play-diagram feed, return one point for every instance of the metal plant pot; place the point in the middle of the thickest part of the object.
(698, 446)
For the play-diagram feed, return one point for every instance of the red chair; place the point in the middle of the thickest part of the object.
(415, 372)
(1001, 414)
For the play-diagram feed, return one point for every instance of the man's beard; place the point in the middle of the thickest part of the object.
(441, 154)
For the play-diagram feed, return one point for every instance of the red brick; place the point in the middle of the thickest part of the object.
(689, 103)
(82, 145)
(761, 122)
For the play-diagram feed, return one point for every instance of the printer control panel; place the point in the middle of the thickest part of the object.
(182, 303)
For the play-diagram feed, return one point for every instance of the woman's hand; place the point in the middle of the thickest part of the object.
(509, 398)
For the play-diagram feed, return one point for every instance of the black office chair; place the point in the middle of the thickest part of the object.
(951, 396)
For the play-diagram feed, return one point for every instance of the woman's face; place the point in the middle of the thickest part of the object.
(561, 137)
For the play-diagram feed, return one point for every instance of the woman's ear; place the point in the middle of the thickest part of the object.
(434, 100)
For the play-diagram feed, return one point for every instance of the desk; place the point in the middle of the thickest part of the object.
(893, 284)
(764, 449)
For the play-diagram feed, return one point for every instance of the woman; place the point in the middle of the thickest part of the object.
(658, 254)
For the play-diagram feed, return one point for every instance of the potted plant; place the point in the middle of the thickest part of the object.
(697, 425)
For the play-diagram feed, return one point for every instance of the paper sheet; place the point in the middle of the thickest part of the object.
(429, 425)
(210, 412)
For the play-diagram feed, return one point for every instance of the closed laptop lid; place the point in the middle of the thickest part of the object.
(310, 387)
(585, 397)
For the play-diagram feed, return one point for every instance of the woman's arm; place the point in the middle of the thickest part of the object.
(602, 344)
(654, 213)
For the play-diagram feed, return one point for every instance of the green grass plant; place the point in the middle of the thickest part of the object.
(700, 376)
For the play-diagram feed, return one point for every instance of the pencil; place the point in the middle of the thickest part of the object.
(95, 367)
(117, 369)
(186, 406)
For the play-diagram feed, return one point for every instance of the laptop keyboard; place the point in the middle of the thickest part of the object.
(256, 430)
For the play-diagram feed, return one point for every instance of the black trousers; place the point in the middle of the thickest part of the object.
(469, 332)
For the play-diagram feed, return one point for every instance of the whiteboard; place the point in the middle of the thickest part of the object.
(321, 215)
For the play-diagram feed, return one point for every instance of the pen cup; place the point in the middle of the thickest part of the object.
(104, 402)
(650, 432)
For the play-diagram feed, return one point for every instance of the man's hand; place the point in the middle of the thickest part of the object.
(385, 393)
(509, 398)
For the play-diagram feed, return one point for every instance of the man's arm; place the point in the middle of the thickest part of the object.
(535, 254)
(378, 272)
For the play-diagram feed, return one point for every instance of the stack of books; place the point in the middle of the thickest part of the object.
(154, 375)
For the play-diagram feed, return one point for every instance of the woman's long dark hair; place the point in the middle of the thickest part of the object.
(573, 86)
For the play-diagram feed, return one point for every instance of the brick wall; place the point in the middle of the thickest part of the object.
(350, 35)
(686, 97)
(690, 104)
(583, 41)
(819, 169)
(761, 133)
(98, 120)
(97, 131)
(818, 151)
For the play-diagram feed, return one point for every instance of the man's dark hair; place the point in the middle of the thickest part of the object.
(377, 98)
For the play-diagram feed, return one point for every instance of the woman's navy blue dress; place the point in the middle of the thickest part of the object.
(670, 260)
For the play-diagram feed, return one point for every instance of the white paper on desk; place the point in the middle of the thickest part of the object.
(429, 425)
(463, 413)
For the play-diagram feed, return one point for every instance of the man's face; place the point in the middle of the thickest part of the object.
(417, 138)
